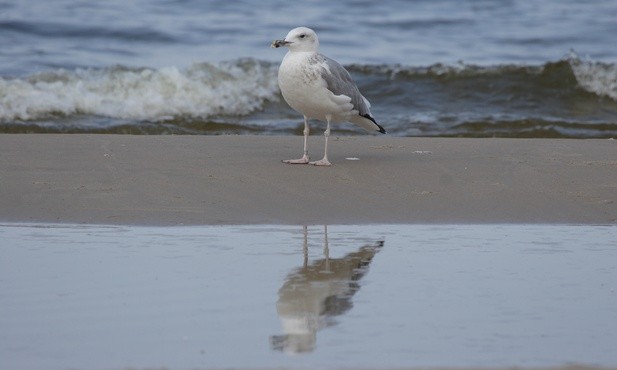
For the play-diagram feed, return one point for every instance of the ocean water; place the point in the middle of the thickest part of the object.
(319, 297)
(430, 68)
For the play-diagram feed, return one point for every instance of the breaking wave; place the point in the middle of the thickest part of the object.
(594, 77)
(201, 90)
(571, 97)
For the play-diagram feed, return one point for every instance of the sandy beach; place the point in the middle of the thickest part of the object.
(193, 180)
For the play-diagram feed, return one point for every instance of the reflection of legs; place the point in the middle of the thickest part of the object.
(305, 157)
(305, 246)
(324, 161)
(326, 248)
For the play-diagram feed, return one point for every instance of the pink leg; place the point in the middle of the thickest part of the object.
(324, 161)
(305, 157)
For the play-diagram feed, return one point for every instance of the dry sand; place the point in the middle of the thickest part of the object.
(191, 180)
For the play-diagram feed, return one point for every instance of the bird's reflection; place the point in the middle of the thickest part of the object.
(314, 294)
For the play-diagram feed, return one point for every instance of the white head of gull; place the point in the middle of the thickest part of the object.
(319, 88)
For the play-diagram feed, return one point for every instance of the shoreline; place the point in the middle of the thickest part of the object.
(213, 180)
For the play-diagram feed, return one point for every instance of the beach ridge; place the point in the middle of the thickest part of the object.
(202, 180)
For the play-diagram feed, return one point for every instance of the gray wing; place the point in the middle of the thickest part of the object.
(339, 81)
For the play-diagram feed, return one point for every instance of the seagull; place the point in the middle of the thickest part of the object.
(319, 88)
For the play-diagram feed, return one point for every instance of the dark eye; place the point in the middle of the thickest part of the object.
(302, 36)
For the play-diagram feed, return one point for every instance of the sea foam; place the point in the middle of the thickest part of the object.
(202, 90)
(596, 77)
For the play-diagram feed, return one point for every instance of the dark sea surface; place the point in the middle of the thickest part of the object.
(430, 68)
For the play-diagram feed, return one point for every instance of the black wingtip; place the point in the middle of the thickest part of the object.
(381, 129)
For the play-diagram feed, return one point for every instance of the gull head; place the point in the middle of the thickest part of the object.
(299, 39)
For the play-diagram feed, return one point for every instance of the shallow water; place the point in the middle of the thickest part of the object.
(430, 68)
(111, 297)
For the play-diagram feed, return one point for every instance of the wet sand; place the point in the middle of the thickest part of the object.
(341, 297)
(192, 180)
